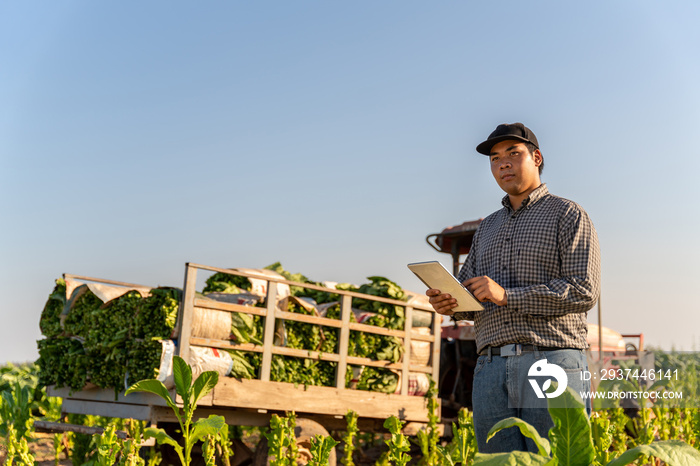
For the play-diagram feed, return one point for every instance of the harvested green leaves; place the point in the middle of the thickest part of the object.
(381, 287)
(157, 314)
(246, 328)
(62, 362)
(50, 322)
(110, 344)
(245, 364)
(76, 322)
(226, 283)
(117, 342)
(320, 297)
(377, 379)
(302, 371)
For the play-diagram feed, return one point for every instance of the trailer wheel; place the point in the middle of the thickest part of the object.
(304, 431)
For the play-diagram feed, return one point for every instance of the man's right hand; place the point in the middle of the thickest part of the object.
(443, 303)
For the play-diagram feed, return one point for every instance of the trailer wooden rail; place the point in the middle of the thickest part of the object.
(253, 401)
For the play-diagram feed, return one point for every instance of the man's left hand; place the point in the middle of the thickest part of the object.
(485, 289)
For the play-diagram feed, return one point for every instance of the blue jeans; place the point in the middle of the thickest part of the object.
(502, 390)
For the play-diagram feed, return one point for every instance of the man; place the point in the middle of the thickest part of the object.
(535, 266)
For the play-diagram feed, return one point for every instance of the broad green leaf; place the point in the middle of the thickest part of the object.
(161, 437)
(203, 385)
(526, 429)
(572, 444)
(515, 458)
(672, 452)
(203, 427)
(153, 386)
(182, 373)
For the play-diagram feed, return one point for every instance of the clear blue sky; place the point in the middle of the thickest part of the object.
(334, 136)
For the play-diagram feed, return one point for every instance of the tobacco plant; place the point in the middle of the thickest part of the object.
(16, 422)
(602, 434)
(130, 453)
(15, 411)
(398, 442)
(218, 444)
(108, 447)
(59, 446)
(223, 445)
(17, 449)
(321, 448)
(209, 450)
(428, 439)
(282, 443)
(349, 438)
(462, 448)
(191, 393)
(130, 447)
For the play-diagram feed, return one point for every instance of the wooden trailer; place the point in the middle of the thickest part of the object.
(251, 402)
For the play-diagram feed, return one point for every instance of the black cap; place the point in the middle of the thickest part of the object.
(517, 131)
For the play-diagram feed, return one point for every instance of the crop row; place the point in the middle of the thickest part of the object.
(610, 436)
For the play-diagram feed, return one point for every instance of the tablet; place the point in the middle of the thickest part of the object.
(436, 276)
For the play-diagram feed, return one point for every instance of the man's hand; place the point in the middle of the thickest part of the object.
(485, 289)
(443, 303)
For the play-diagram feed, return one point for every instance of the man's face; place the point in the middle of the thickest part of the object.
(514, 168)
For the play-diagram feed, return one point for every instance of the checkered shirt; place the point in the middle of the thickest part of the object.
(546, 256)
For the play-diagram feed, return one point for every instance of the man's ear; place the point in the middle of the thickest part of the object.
(537, 156)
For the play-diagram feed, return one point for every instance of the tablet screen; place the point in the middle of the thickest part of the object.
(434, 275)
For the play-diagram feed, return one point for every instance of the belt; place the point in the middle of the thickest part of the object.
(515, 349)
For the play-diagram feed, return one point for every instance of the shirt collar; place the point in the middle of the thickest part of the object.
(539, 192)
